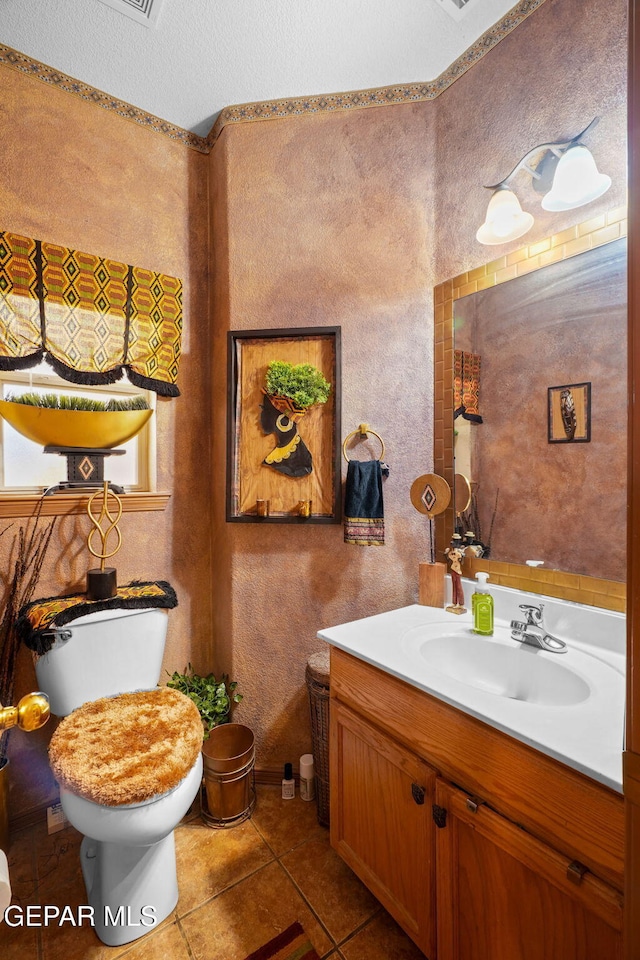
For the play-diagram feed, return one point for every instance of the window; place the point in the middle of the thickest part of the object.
(24, 467)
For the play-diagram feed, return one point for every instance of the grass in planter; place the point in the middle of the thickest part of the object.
(302, 383)
(56, 401)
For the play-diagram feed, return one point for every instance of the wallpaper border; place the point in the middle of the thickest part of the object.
(277, 109)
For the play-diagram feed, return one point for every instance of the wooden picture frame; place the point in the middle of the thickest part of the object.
(569, 413)
(266, 478)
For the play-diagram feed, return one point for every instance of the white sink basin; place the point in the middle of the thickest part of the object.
(569, 705)
(501, 668)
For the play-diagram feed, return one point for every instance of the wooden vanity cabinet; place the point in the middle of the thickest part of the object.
(511, 856)
(381, 820)
(502, 894)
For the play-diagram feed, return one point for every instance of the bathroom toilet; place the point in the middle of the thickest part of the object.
(128, 760)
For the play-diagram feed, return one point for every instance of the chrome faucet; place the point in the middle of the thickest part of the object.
(533, 631)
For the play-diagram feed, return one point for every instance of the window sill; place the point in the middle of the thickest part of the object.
(64, 504)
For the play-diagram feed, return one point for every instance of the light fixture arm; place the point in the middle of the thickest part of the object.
(557, 148)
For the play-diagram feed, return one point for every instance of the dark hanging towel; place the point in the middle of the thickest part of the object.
(363, 507)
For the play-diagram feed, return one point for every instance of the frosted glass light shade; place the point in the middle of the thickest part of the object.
(576, 181)
(506, 220)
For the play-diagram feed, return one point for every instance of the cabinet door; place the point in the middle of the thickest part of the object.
(381, 820)
(503, 895)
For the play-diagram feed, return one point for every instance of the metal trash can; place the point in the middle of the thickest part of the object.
(317, 678)
(229, 794)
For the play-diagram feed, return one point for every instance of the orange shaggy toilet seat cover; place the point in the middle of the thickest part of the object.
(129, 748)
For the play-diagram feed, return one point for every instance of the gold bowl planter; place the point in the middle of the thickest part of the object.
(91, 429)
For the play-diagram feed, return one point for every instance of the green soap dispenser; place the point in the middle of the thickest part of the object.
(482, 607)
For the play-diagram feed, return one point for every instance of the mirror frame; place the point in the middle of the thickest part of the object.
(592, 233)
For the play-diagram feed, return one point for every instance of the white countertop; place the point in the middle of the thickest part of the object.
(586, 735)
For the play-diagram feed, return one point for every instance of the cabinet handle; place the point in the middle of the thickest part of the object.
(439, 815)
(576, 871)
(417, 793)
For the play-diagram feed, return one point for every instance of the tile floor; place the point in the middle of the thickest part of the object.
(238, 888)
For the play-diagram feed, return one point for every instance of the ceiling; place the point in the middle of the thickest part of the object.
(200, 56)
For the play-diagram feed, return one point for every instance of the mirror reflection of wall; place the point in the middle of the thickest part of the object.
(563, 324)
(462, 446)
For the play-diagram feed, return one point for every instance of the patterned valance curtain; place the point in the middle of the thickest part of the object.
(466, 386)
(90, 318)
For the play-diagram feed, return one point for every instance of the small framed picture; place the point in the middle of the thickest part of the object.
(570, 413)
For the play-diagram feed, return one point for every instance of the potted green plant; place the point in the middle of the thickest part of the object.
(228, 752)
(213, 697)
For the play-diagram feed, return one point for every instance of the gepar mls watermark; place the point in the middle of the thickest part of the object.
(84, 915)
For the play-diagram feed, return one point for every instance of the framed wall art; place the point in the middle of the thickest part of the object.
(283, 457)
(569, 413)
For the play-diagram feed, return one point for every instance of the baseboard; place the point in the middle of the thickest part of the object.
(30, 818)
(269, 776)
(272, 776)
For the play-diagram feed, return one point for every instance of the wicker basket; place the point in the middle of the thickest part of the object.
(317, 678)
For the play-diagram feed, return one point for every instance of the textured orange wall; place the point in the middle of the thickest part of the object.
(346, 219)
(76, 175)
(322, 221)
(563, 66)
(545, 81)
(351, 219)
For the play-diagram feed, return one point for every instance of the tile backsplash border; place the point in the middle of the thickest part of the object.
(592, 591)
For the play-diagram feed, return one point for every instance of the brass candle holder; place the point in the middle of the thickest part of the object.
(102, 582)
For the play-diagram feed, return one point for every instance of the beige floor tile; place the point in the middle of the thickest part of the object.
(248, 915)
(57, 863)
(167, 944)
(65, 941)
(61, 884)
(81, 943)
(285, 824)
(381, 939)
(18, 943)
(21, 859)
(74, 943)
(334, 892)
(211, 860)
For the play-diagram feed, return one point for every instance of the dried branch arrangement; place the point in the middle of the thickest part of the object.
(28, 553)
(471, 519)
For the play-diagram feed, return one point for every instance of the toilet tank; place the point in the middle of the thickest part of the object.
(101, 655)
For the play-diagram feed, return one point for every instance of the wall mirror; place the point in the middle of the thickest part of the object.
(530, 338)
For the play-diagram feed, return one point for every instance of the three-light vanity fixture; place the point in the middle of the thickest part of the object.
(565, 173)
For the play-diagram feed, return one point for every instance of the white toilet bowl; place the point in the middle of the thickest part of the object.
(129, 766)
(128, 858)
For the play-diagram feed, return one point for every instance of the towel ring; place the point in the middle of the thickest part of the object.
(364, 429)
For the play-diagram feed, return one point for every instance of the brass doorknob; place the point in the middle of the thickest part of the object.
(31, 713)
